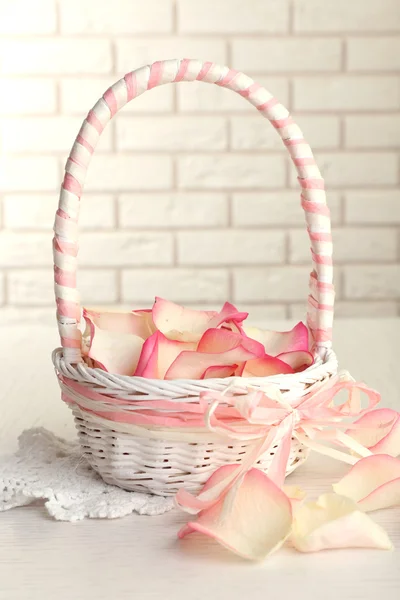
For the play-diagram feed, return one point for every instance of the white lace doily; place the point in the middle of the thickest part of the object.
(50, 468)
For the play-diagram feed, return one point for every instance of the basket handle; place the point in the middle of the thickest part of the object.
(65, 244)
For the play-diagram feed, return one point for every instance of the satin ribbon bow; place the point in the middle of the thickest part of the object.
(272, 419)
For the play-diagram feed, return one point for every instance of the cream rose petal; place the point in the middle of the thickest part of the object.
(116, 352)
(276, 342)
(336, 522)
(185, 324)
(373, 482)
(252, 520)
(139, 323)
(171, 318)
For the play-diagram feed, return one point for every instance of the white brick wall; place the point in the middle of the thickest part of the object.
(190, 194)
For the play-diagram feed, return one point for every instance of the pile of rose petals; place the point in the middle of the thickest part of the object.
(173, 342)
(256, 517)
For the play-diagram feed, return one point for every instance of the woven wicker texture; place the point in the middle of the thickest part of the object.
(157, 459)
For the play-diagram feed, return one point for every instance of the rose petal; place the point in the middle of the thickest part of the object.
(219, 371)
(193, 365)
(116, 352)
(170, 318)
(188, 325)
(263, 367)
(335, 522)
(379, 431)
(373, 482)
(276, 342)
(221, 340)
(227, 314)
(159, 353)
(298, 359)
(139, 323)
(295, 494)
(252, 520)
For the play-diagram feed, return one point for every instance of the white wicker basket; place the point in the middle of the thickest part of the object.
(163, 459)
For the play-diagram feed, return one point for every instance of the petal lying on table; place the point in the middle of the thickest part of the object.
(336, 522)
(252, 520)
(373, 482)
(186, 324)
(116, 352)
(139, 323)
(295, 494)
(276, 342)
(379, 431)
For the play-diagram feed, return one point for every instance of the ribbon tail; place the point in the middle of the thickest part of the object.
(326, 450)
(349, 442)
(277, 469)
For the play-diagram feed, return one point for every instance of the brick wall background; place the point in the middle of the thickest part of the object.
(231, 224)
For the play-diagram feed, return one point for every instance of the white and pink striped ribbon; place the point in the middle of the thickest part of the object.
(65, 243)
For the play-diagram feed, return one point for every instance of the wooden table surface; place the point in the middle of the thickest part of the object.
(139, 557)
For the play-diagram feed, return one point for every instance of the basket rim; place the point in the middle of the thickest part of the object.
(101, 376)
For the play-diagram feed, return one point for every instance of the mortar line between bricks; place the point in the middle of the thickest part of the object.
(231, 285)
(58, 102)
(5, 289)
(202, 153)
(57, 10)
(229, 53)
(253, 73)
(165, 36)
(342, 134)
(2, 213)
(341, 149)
(245, 114)
(116, 215)
(344, 55)
(165, 192)
(229, 207)
(291, 18)
(290, 105)
(342, 211)
(150, 229)
(174, 8)
(175, 250)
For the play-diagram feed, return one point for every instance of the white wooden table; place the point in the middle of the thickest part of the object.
(139, 557)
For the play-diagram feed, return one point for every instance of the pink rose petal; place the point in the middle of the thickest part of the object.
(379, 431)
(252, 520)
(116, 352)
(217, 347)
(140, 323)
(298, 360)
(159, 353)
(263, 367)
(219, 371)
(373, 482)
(276, 342)
(335, 522)
(228, 313)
